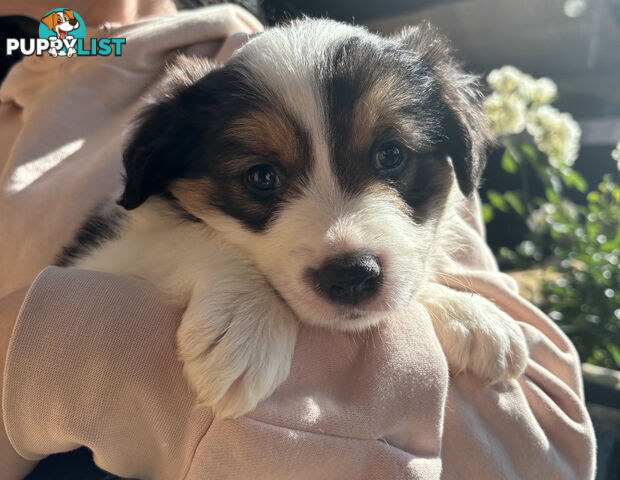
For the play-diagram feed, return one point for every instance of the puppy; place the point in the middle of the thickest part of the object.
(310, 179)
(61, 23)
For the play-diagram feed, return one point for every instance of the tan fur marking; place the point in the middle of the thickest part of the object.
(193, 194)
(377, 110)
(380, 189)
(268, 133)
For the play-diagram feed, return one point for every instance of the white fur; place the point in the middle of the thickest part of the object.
(237, 336)
(475, 334)
(318, 226)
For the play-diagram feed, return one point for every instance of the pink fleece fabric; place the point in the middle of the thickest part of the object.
(92, 358)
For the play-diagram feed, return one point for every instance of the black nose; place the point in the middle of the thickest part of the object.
(350, 279)
(72, 21)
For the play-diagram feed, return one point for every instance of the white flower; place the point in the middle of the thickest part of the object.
(556, 134)
(541, 218)
(527, 85)
(510, 80)
(569, 208)
(506, 80)
(520, 101)
(615, 154)
(537, 221)
(506, 113)
(543, 90)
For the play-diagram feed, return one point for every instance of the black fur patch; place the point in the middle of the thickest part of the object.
(98, 229)
(193, 134)
(466, 132)
(406, 98)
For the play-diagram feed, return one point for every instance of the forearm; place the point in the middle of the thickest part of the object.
(14, 466)
(510, 422)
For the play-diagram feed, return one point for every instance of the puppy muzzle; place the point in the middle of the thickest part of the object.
(350, 279)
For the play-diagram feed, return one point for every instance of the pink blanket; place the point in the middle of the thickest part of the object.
(92, 359)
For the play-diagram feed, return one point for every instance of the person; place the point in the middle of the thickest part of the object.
(90, 357)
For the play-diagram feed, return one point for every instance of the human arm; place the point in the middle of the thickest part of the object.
(13, 466)
(96, 366)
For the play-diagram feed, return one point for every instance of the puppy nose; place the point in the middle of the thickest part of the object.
(350, 279)
(72, 21)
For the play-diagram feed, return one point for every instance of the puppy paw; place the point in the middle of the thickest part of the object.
(236, 348)
(493, 349)
(477, 336)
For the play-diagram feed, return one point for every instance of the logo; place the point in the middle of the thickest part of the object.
(62, 33)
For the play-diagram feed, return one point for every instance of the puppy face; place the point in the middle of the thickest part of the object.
(68, 21)
(61, 22)
(326, 154)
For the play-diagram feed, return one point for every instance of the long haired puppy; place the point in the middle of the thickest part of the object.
(310, 179)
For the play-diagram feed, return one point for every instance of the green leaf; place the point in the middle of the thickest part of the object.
(487, 212)
(615, 353)
(497, 200)
(573, 179)
(552, 196)
(513, 200)
(593, 197)
(508, 163)
(528, 150)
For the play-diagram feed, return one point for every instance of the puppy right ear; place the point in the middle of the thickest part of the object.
(164, 134)
(466, 129)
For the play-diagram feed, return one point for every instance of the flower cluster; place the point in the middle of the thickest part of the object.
(542, 218)
(520, 102)
(615, 154)
(509, 80)
(555, 134)
(506, 113)
(577, 239)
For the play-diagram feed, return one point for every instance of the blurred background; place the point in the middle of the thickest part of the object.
(551, 195)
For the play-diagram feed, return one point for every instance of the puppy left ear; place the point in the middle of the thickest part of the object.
(464, 122)
(48, 21)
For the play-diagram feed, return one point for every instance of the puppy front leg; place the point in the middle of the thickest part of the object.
(52, 51)
(236, 341)
(475, 334)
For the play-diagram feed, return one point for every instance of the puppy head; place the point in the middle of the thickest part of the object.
(326, 154)
(64, 20)
(69, 22)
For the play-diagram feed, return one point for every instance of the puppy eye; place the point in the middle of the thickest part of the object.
(262, 179)
(390, 157)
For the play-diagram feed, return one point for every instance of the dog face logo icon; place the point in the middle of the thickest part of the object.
(62, 27)
(62, 33)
